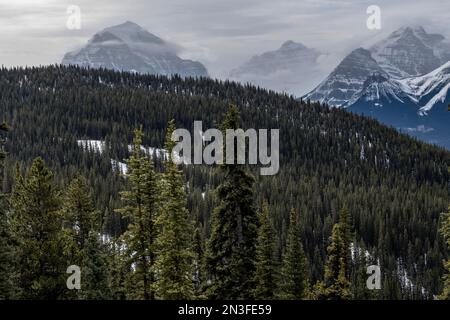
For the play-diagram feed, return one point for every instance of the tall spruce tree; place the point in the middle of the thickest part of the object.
(347, 236)
(6, 242)
(118, 270)
(82, 237)
(294, 274)
(266, 267)
(141, 208)
(37, 226)
(445, 231)
(94, 270)
(231, 249)
(78, 210)
(174, 261)
(336, 281)
(359, 275)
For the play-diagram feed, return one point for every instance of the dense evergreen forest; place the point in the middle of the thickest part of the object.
(350, 193)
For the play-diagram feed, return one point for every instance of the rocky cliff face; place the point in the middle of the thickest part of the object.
(347, 79)
(403, 81)
(411, 51)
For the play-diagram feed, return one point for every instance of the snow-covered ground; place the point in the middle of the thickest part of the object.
(98, 146)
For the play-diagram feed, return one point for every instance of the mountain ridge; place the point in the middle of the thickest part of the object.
(129, 47)
(279, 69)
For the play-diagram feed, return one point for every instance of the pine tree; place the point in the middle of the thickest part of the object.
(337, 284)
(94, 278)
(445, 230)
(294, 275)
(359, 275)
(118, 270)
(78, 210)
(265, 276)
(231, 249)
(175, 255)
(82, 244)
(347, 236)
(141, 208)
(6, 241)
(37, 226)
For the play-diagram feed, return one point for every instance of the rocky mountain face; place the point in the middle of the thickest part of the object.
(403, 81)
(410, 52)
(280, 69)
(347, 79)
(416, 105)
(128, 47)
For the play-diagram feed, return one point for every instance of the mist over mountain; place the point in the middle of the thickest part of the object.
(284, 69)
(128, 47)
(403, 81)
(411, 51)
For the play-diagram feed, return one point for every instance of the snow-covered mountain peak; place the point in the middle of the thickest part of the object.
(130, 33)
(346, 79)
(129, 47)
(378, 90)
(411, 51)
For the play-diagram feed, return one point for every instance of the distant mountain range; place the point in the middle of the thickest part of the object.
(403, 81)
(128, 47)
(283, 69)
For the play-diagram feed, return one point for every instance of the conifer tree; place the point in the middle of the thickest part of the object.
(231, 249)
(445, 231)
(6, 241)
(294, 275)
(118, 270)
(266, 268)
(94, 279)
(336, 281)
(359, 275)
(175, 255)
(82, 240)
(141, 208)
(347, 237)
(37, 226)
(78, 210)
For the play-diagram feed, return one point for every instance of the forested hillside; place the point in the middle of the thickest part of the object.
(394, 187)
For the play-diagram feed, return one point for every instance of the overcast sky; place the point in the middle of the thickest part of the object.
(221, 34)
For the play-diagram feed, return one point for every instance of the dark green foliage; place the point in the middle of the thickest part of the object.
(141, 208)
(395, 193)
(336, 282)
(6, 241)
(199, 264)
(94, 272)
(294, 272)
(266, 263)
(78, 212)
(445, 230)
(118, 271)
(37, 225)
(344, 221)
(174, 260)
(231, 249)
(83, 246)
(358, 275)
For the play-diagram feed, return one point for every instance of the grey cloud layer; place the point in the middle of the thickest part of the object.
(221, 34)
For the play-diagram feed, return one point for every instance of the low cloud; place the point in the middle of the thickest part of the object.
(221, 34)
